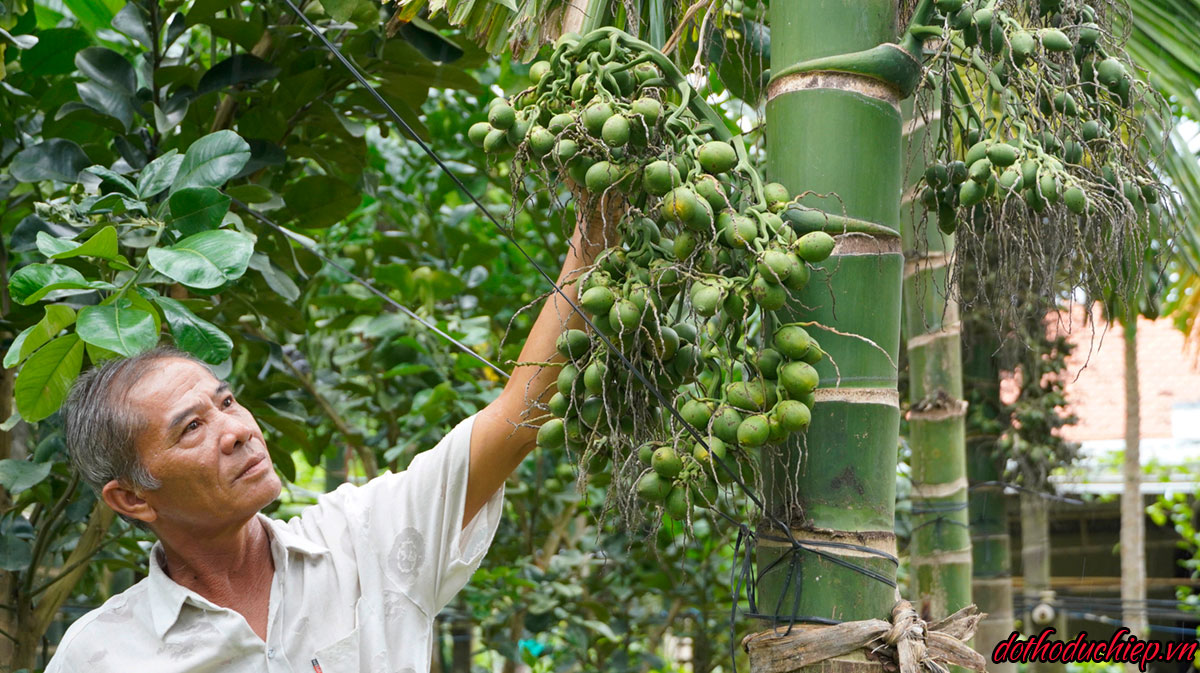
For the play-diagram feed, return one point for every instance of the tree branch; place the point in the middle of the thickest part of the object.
(99, 522)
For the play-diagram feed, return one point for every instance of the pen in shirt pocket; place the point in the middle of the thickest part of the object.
(317, 666)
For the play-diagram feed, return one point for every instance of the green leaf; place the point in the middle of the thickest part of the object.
(107, 68)
(275, 278)
(117, 328)
(112, 83)
(509, 4)
(142, 299)
(194, 334)
(133, 22)
(108, 175)
(43, 383)
(19, 41)
(93, 15)
(197, 209)
(340, 10)
(55, 52)
(250, 193)
(408, 369)
(13, 356)
(159, 174)
(602, 629)
(242, 32)
(102, 244)
(205, 9)
(55, 159)
(206, 260)
(171, 113)
(212, 160)
(237, 69)
(21, 475)
(26, 284)
(321, 201)
(15, 553)
(428, 40)
(27, 342)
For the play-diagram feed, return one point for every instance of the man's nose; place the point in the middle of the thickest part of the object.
(236, 432)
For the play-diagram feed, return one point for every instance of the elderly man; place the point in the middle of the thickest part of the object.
(352, 584)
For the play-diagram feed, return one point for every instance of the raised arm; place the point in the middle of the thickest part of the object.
(497, 443)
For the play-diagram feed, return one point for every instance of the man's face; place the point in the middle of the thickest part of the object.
(205, 448)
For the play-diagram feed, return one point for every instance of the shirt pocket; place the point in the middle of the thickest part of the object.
(343, 655)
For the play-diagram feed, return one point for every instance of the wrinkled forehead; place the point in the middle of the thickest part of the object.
(162, 386)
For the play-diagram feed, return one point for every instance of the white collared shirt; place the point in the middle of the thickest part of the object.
(359, 578)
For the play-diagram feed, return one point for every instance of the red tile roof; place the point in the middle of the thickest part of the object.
(1168, 374)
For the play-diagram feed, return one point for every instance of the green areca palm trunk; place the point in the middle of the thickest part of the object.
(834, 132)
(940, 550)
(991, 570)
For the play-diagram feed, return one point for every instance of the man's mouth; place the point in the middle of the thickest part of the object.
(251, 465)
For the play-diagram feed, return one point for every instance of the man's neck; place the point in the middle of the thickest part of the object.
(225, 569)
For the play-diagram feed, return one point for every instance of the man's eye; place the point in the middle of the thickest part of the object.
(228, 401)
(192, 426)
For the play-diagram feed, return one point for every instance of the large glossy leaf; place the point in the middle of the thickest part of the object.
(119, 328)
(276, 279)
(237, 69)
(111, 83)
(321, 201)
(344, 10)
(54, 54)
(212, 160)
(172, 112)
(241, 32)
(133, 22)
(55, 159)
(429, 41)
(24, 236)
(102, 244)
(44, 380)
(34, 337)
(15, 553)
(112, 179)
(21, 41)
(94, 14)
(206, 260)
(159, 174)
(107, 68)
(197, 209)
(194, 334)
(20, 475)
(34, 278)
(206, 9)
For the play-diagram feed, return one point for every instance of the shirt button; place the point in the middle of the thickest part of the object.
(271, 653)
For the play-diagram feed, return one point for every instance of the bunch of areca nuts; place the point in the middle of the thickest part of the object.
(694, 296)
(1051, 114)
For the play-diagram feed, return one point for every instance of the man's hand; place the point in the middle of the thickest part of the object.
(498, 440)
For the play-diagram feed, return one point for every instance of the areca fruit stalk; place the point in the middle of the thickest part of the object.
(701, 255)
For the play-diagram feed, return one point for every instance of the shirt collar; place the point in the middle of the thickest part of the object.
(167, 597)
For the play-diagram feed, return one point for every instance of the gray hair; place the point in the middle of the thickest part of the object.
(101, 426)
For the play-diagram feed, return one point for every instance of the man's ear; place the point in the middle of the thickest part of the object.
(126, 501)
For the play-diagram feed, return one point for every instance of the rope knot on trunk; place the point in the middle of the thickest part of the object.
(906, 644)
